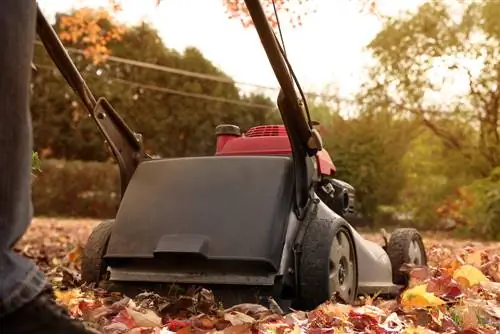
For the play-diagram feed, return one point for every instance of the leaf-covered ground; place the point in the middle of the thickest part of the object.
(458, 293)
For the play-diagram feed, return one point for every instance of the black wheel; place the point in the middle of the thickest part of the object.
(405, 246)
(93, 265)
(328, 265)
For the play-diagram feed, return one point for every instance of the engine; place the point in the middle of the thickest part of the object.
(273, 140)
(339, 195)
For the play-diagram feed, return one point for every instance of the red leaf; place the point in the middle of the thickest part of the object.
(445, 287)
(362, 322)
(124, 317)
(175, 325)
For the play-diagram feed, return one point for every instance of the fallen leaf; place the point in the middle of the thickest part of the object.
(76, 254)
(470, 273)
(469, 317)
(67, 297)
(363, 322)
(493, 287)
(418, 275)
(124, 317)
(147, 318)
(255, 311)
(238, 329)
(444, 286)
(444, 297)
(474, 259)
(116, 328)
(418, 296)
(417, 330)
(238, 318)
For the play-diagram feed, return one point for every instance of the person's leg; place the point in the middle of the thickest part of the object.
(20, 281)
(26, 306)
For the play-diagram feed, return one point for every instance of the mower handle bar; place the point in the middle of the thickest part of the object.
(302, 138)
(297, 121)
(125, 144)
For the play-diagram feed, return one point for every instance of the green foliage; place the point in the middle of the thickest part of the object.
(171, 124)
(76, 189)
(433, 173)
(483, 216)
(35, 162)
(367, 151)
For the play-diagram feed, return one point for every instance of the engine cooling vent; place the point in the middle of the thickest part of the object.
(266, 131)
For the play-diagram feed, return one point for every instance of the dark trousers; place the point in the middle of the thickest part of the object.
(20, 281)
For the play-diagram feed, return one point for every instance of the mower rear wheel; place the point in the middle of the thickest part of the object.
(328, 265)
(405, 246)
(93, 264)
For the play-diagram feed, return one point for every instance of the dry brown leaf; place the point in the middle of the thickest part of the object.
(146, 318)
(119, 314)
(474, 259)
(238, 318)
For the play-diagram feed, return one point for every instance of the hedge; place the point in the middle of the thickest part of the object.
(76, 189)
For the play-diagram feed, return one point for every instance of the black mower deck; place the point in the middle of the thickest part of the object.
(209, 212)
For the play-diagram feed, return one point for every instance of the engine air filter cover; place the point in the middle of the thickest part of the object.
(267, 131)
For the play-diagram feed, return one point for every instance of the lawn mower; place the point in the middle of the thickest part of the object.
(263, 214)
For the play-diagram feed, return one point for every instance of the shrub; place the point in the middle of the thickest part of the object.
(76, 189)
(483, 215)
(35, 162)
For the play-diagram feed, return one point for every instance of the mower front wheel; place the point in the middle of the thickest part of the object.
(93, 264)
(328, 265)
(405, 246)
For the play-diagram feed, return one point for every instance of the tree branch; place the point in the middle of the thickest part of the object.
(474, 92)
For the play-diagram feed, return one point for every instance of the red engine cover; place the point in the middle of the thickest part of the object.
(267, 140)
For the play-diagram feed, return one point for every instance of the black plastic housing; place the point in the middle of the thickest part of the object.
(206, 210)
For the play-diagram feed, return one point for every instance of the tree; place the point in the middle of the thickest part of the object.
(297, 9)
(83, 25)
(171, 124)
(421, 55)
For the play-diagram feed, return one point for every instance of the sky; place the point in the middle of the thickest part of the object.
(326, 52)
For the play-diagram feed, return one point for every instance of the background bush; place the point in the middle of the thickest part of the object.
(481, 213)
(76, 189)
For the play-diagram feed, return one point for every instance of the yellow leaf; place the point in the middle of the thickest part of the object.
(67, 297)
(470, 273)
(419, 297)
(416, 330)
